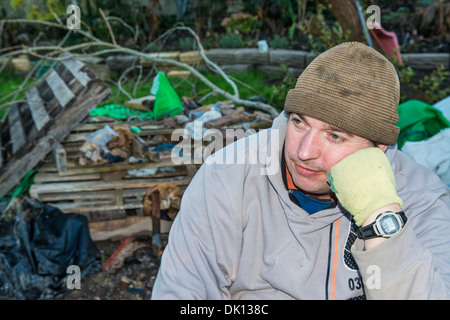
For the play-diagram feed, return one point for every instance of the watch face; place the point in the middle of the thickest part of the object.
(389, 224)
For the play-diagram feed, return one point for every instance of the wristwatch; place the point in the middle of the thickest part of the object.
(385, 225)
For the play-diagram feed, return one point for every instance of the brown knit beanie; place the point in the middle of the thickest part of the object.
(352, 87)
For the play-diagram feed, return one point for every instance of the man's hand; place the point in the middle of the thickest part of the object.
(363, 183)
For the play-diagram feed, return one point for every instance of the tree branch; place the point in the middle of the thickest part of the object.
(113, 39)
(54, 53)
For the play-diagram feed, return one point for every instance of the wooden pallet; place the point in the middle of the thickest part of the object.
(52, 108)
(103, 191)
(113, 199)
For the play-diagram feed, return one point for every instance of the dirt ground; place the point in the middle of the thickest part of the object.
(128, 276)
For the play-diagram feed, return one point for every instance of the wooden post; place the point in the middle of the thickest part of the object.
(156, 219)
(60, 156)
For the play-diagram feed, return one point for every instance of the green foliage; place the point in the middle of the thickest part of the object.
(10, 82)
(277, 92)
(208, 43)
(288, 7)
(240, 22)
(186, 44)
(407, 74)
(249, 84)
(429, 88)
(279, 42)
(327, 39)
(152, 47)
(433, 85)
(397, 17)
(230, 41)
(40, 10)
(323, 34)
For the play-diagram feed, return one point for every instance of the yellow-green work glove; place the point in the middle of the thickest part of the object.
(363, 183)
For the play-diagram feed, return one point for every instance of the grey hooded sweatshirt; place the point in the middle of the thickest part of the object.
(238, 235)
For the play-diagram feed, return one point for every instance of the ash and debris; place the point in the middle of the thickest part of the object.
(127, 277)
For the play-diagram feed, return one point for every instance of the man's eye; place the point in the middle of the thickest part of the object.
(335, 137)
(297, 121)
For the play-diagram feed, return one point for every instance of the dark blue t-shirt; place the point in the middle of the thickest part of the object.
(311, 204)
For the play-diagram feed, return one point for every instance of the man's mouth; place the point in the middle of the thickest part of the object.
(309, 172)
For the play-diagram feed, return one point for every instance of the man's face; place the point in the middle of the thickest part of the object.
(312, 147)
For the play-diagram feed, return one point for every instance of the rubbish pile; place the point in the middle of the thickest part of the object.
(43, 252)
(106, 146)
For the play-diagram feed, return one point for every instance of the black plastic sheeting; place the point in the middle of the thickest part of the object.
(38, 243)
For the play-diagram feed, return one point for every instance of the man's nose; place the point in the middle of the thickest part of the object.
(309, 147)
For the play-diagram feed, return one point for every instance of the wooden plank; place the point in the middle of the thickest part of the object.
(60, 158)
(75, 66)
(78, 196)
(36, 105)
(92, 124)
(85, 206)
(78, 137)
(6, 141)
(74, 168)
(29, 127)
(35, 189)
(44, 177)
(90, 208)
(118, 197)
(122, 228)
(59, 88)
(17, 166)
(16, 130)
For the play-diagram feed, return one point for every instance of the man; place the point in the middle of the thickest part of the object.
(306, 231)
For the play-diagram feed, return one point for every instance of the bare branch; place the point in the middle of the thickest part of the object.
(135, 32)
(113, 39)
(54, 54)
(52, 24)
(214, 66)
(138, 80)
(55, 15)
(119, 82)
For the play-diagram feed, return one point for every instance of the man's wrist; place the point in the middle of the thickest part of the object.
(371, 243)
(392, 207)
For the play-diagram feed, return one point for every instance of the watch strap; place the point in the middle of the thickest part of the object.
(368, 232)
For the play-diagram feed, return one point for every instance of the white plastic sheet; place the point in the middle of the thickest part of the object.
(444, 106)
(433, 153)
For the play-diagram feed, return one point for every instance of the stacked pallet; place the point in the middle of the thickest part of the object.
(112, 194)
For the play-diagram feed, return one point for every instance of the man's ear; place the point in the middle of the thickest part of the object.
(382, 146)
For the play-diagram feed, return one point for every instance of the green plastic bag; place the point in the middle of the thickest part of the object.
(118, 111)
(418, 121)
(167, 102)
